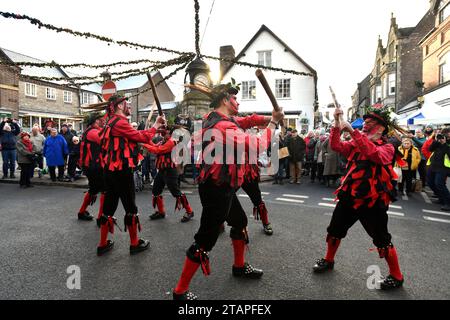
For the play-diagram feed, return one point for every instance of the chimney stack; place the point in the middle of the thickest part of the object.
(226, 52)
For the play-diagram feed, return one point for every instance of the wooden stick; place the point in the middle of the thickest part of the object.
(155, 94)
(150, 115)
(262, 79)
(336, 105)
(265, 84)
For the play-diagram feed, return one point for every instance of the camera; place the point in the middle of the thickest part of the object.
(440, 136)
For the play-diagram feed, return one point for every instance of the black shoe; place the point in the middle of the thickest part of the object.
(4, 177)
(445, 208)
(103, 250)
(184, 296)
(187, 217)
(390, 283)
(143, 245)
(12, 176)
(323, 265)
(85, 216)
(275, 182)
(29, 186)
(281, 182)
(157, 216)
(268, 229)
(247, 271)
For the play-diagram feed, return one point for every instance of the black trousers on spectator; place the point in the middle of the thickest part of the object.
(169, 177)
(72, 165)
(374, 220)
(119, 185)
(423, 171)
(313, 170)
(52, 171)
(220, 204)
(407, 176)
(253, 191)
(320, 167)
(25, 173)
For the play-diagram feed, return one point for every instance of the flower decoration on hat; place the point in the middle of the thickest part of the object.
(217, 92)
(382, 115)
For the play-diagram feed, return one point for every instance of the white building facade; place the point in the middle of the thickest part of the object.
(296, 94)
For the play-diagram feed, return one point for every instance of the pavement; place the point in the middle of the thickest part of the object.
(42, 241)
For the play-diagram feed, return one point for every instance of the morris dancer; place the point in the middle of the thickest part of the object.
(365, 191)
(218, 182)
(90, 163)
(167, 175)
(119, 155)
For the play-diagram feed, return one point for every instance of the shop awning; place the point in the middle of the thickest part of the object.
(412, 120)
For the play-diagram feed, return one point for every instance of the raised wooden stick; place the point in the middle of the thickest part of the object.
(155, 94)
(262, 79)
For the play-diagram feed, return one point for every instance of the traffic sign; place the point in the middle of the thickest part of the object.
(108, 90)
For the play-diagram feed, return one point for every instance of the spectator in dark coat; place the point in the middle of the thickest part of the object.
(9, 129)
(74, 156)
(297, 148)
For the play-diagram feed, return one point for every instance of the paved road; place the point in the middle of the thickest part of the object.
(41, 238)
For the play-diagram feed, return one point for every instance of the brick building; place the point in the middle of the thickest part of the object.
(360, 99)
(436, 68)
(36, 100)
(9, 89)
(397, 72)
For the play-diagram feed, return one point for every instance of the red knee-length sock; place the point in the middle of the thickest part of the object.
(104, 229)
(102, 202)
(133, 231)
(394, 267)
(189, 269)
(263, 214)
(86, 201)
(239, 252)
(332, 246)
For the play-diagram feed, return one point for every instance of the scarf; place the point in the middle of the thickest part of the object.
(28, 144)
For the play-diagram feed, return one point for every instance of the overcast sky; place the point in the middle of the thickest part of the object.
(337, 38)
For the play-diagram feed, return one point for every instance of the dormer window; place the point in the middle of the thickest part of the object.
(265, 58)
(444, 13)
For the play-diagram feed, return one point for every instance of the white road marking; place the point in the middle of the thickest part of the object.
(328, 214)
(399, 214)
(395, 207)
(327, 199)
(326, 205)
(436, 219)
(425, 197)
(404, 197)
(265, 193)
(290, 200)
(243, 196)
(187, 192)
(295, 196)
(437, 212)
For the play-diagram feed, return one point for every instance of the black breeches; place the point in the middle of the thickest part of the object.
(95, 179)
(169, 177)
(253, 191)
(220, 204)
(374, 220)
(119, 185)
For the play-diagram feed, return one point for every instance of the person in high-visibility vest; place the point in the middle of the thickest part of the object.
(439, 168)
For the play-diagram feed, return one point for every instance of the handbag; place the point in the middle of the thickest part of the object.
(398, 171)
(283, 153)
